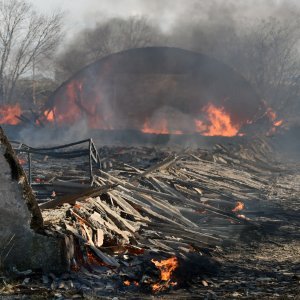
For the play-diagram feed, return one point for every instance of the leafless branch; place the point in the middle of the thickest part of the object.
(25, 37)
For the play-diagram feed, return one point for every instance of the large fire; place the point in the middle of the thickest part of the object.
(166, 267)
(215, 122)
(218, 122)
(211, 120)
(9, 114)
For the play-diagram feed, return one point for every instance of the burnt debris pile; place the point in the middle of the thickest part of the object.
(153, 220)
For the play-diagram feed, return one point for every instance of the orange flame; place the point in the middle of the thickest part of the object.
(160, 127)
(157, 287)
(271, 114)
(8, 114)
(76, 106)
(69, 112)
(239, 206)
(278, 123)
(127, 282)
(93, 259)
(219, 122)
(273, 118)
(49, 115)
(166, 268)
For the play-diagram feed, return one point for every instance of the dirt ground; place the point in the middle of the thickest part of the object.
(266, 264)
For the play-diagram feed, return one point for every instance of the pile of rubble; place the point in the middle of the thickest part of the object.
(154, 220)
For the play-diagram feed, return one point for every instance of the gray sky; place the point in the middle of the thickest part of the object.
(82, 13)
(85, 13)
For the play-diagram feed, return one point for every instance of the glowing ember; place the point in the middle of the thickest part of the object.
(272, 116)
(22, 161)
(39, 180)
(49, 115)
(166, 268)
(157, 287)
(93, 260)
(160, 127)
(239, 206)
(127, 282)
(218, 122)
(9, 114)
(278, 123)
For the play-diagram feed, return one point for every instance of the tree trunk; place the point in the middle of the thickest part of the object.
(2, 96)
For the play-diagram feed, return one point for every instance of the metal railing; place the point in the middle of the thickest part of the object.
(58, 153)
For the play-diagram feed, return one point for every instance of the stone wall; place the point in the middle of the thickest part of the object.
(23, 243)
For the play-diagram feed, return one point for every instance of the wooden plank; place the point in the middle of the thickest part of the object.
(99, 237)
(83, 220)
(104, 257)
(159, 166)
(167, 209)
(91, 192)
(109, 260)
(185, 232)
(96, 217)
(116, 217)
(184, 200)
(125, 205)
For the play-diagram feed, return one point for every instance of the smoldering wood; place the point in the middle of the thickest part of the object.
(185, 200)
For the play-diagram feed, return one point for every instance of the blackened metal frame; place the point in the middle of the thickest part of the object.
(54, 152)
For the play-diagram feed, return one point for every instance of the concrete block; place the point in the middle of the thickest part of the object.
(23, 242)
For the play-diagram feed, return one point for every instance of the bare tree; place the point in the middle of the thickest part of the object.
(267, 55)
(25, 38)
(108, 37)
